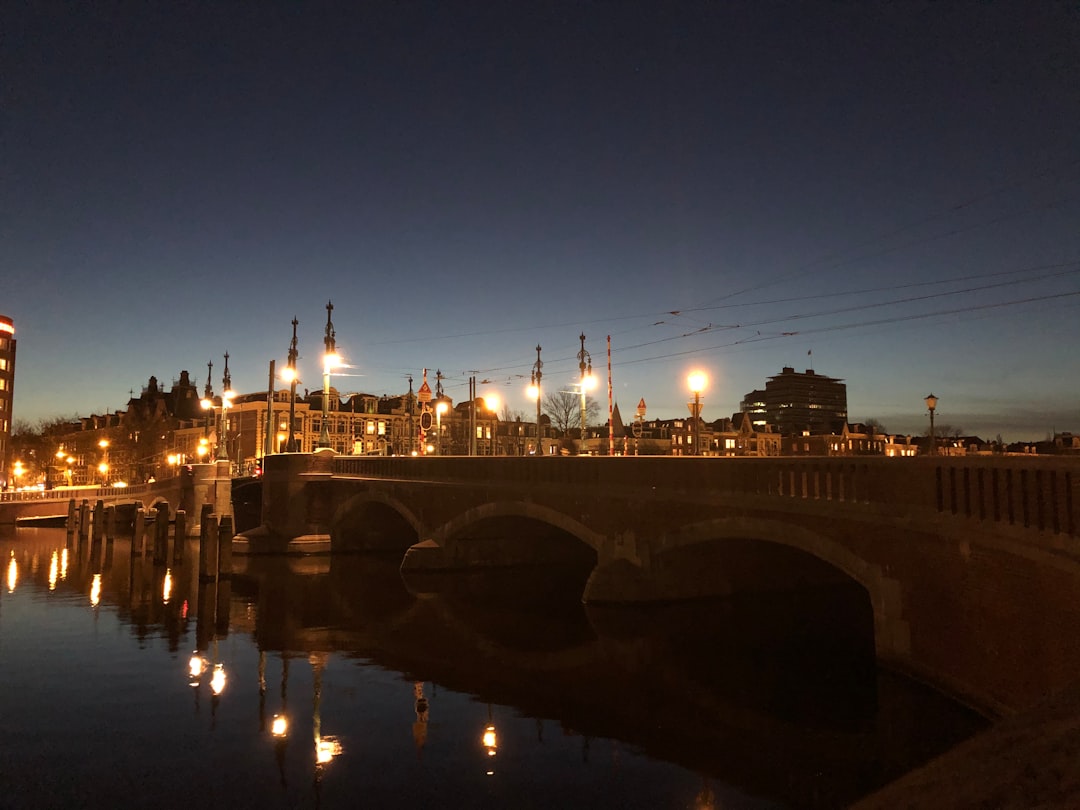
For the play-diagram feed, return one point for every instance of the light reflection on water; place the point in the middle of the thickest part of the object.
(311, 682)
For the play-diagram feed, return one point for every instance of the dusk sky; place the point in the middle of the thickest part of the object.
(888, 193)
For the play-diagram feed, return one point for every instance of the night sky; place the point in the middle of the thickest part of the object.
(888, 193)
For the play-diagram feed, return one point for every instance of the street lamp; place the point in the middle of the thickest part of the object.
(931, 405)
(330, 359)
(226, 400)
(440, 408)
(103, 467)
(587, 382)
(697, 382)
(535, 392)
(491, 405)
(290, 376)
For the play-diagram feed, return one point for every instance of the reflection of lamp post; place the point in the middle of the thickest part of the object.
(440, 408)
(535, 392)
(931, 405)
(490, 741)
(330, 359)
(697, 381)
(587, 382)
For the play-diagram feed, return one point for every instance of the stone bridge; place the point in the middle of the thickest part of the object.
(970, 566)
(192, 486)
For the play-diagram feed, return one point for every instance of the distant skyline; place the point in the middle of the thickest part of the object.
(887, 193)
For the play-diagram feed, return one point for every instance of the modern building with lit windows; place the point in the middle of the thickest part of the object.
(795, 402)
(7, 391)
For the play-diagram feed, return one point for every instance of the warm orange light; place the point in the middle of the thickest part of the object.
(103, 443)
(95, 590)
(588, 382)
(533, 391)
(491, 402)
(279, 726)
(441, 408)
(697, 381)
(288, 374)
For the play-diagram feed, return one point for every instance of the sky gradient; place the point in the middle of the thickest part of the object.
(886, 193)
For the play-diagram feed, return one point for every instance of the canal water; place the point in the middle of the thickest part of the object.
(330, 682)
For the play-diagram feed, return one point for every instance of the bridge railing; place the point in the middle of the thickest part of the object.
(1038, 492)
(63, 494)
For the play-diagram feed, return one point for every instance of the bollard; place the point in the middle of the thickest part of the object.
(208, 549)
(138, 530)
(161, 534)
(110, 523)
(225, 538)
(179, 535)
(205, 511)
(99, 522)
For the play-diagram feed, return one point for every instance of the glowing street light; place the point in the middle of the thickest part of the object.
(290, 376)
(931, 405)
(697, 382)
(330, 359)
(440, 408)
(588, 381)
(536, 393)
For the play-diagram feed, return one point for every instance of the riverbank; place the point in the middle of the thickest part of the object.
(1030, 760)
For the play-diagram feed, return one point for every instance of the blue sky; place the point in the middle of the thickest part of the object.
(891, 188)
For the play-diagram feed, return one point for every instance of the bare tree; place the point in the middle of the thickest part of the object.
(507, 414)
(564, 410)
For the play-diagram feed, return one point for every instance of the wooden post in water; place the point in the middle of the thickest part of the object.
(110, 523)
(72, 522)
(208, 549)
(138, 532)
(84, 522)
(99, 522)
(179, 533)
(161, 534)
(225, 538)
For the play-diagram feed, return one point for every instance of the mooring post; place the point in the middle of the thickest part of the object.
(161, 534)
(208, 548)
(138, 532)
(110, 523)
(99, 522)
(71, 523)
(179, 534)
(84, 522)
(225, 538)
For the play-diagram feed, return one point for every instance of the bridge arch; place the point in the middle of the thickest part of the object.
(374, 520)
(661, 578)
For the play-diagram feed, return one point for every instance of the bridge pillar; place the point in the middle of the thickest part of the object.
(296, 505)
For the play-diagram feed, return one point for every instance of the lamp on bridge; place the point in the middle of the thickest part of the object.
(290, 376)
(588, 381)
(535, 393)
(697, 382)
(440, 408)
(931, 405)
(226, 402)
(330, 359)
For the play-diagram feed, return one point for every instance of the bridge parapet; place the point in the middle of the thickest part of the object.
(1032, 493)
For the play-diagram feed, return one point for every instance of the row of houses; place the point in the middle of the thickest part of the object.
(160, 429)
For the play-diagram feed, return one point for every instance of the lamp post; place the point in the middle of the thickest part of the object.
(535, 391)
(226, 396)
(103, 467)
(697, 382)
(587, 381)
(289, 375)
(931, 405)
(440, 408)
(329, 360)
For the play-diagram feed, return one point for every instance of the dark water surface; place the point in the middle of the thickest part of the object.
(457, 692)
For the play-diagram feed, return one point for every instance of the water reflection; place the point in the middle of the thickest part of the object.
(754, 697)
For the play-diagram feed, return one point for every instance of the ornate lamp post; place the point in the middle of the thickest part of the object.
(697, 382)
(290, 376)
(226, 400)
(587, 382)
(931, 405)
(535, 392)
(330, 359)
